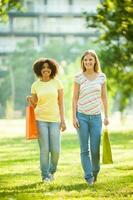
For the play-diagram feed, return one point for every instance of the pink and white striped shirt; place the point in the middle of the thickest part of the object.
(89, 101)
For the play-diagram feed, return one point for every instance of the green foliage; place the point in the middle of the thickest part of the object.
(22, 76)
(114, 23)
(21, 62)
(5, 90)
(6, 6)
(62, 50)
(9, 109)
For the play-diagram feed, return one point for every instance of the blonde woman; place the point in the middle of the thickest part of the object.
(89, 92)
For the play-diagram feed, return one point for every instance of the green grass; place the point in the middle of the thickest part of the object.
(20, 175)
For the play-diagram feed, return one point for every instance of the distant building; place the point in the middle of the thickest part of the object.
(44, 19)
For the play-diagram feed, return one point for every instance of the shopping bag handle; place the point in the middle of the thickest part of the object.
(29, 102)
(106, 127)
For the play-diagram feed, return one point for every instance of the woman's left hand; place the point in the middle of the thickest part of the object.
(63, 126)
(106, 121)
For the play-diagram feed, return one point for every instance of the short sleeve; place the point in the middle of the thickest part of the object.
(59, 84)
(33, 90)
(103, 78)
(77, 79)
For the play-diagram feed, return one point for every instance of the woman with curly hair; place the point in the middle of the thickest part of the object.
(47, 98)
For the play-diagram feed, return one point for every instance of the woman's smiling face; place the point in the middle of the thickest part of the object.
(89, 62)
(46, 71)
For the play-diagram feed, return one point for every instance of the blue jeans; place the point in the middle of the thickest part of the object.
(49, 143)
(89, 136)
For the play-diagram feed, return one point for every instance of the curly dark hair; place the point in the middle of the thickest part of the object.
(38, 65)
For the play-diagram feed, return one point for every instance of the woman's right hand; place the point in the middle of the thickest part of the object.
(32, 100)
(29, 99)
(76, 123)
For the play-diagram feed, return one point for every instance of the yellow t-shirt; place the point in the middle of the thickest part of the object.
(47, 108)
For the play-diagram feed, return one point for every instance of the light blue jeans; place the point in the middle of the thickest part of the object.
(49, 143)
(89, 134)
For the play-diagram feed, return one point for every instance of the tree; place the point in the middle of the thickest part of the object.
(15, 86)
(6, 6)
(114, 23)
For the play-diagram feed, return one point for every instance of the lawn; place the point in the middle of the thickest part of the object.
(20, 175)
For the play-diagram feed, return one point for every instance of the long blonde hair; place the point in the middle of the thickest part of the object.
(97, 67)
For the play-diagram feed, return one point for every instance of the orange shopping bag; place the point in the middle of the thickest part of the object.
(31, 127)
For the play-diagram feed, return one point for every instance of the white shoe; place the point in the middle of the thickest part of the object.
(90, 181)
(51, 177)
(46, 180)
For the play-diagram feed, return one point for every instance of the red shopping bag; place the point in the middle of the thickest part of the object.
(31, 127)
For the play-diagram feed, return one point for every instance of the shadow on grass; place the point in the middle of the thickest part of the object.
(114, 187)
(44, 187)
(124, 168)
